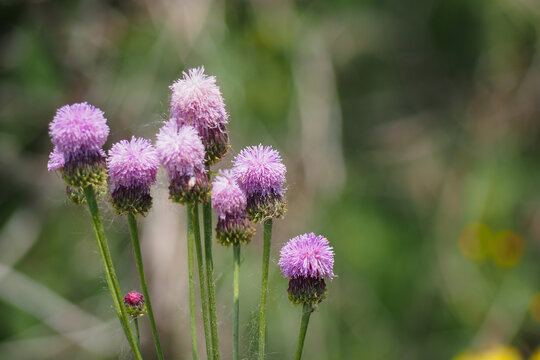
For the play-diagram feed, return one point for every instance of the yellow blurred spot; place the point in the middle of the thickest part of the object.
(494, 353)
(507, 248)
(535, 309)
(535, 355)
(474, 241)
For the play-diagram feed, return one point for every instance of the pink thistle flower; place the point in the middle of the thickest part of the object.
(227, 197)
(133, 163)
(133, 167)
(78, 127)
(307, 255)
(181, 152)
(180, 149)
(196, 100)
(230, 202)
(307, 259)
(260, 173)
(78, 133)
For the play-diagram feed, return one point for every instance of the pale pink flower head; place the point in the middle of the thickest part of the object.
(227, 197)
(229, 201)
(180, 149)
(196, 100)
(133, 163)
(181, 153)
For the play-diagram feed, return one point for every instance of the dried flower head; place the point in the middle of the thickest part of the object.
(307, 259)
(135, 304)
(133, 167)
(78, 132)
(260, 173)
(230, 202)
(181, 152)
(196, 100)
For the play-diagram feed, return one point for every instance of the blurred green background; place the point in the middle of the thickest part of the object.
(411, 133)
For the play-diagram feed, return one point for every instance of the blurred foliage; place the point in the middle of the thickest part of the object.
(410, 130)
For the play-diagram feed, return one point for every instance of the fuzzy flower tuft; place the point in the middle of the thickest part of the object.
(133, 163)
(308, 256)
(56, 160)
(227, 198)
(180, 149)
(196, 100)
(78, 127)
(258, 170)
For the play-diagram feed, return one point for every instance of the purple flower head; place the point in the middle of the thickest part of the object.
(56, 160)
(227, 198)
(258, 170)
(78, 127)
(307, 256)
(133, 163)
(196, 100)
(180, 149)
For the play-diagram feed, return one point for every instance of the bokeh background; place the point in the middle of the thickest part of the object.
(411, 133)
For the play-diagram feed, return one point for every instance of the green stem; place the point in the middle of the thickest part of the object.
(264, 286)
(136, 322)
(236, 291)
(207, 221)
(306, 313)
(202, 279)
(190, 241)
(140, 268)
(110, 273)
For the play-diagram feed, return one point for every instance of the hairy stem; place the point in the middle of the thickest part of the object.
(202, 280)
(190, 241)
(140, 268)
(236, 292)
(136, 322)
(306, 313)
(110, 274)
(207, 222)
(264, 286)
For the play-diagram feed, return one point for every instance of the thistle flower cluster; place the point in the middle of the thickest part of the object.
(230, 202)
(196, 100)
(194, 138)
(133, 167)
(307, 260)
(260, 173)
(135, 304)
(78, 133)
(182, 154)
